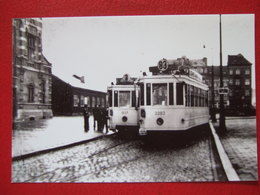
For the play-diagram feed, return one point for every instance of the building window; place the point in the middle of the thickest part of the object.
(30, 93)
(93, 102)
(231, 71)
(86, 100)
(225, 83)
(247, 81)
(98, 101)
(237, 71)
(247, 93)
(247, 72)
(237, 82)
(82, 101)
(30, 46)
(103, 102)
(43, 86)
(76, 100)
(231, 81)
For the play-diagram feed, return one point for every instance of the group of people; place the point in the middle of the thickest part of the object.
(100, 117)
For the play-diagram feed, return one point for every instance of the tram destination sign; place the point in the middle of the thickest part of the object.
(223, 90)
(163, 64)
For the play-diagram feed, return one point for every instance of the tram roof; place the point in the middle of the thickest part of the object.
(178, 77)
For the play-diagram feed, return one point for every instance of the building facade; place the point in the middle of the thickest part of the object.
(69, 100)
(31, 71)
(236, 78)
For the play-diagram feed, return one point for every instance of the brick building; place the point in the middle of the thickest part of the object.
(70, 100)
(236, 77)
(31, 71)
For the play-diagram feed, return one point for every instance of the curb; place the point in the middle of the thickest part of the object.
(44, 151)
(229, 170)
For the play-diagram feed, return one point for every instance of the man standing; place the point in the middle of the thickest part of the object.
(86, 117)
(95, 113)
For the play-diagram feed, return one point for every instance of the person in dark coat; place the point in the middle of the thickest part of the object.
(106, 118)
(86, 117)
(100, 119)
(95, 113)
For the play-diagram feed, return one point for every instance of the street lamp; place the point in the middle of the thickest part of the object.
(222, 123)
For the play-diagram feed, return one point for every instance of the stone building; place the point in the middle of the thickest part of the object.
(31, 71)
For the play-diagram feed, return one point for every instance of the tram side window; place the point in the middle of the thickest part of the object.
(202, 98)
(160, 94)
(142, 94)
(179, 93)
(148, 94)
(187, 95)
(199, 104)
(206, 99)
(124, 98)
(195, 96)
(192, 96)
(171, 93)
(109, 97)
(115, 98)
(133, 99)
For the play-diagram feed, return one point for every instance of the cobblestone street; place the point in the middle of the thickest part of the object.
(117, 159)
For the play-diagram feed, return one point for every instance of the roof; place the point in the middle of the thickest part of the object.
(45, 61)
(77, 85)
(238, 60)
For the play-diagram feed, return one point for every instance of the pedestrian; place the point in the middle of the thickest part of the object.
(86, 118)
(100, 119)
(106, 118)
(95, 113)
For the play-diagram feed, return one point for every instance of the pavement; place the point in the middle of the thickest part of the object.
(44, 135)
(240, 145)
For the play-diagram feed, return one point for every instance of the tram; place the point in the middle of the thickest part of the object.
(123, 108)
(174, 98)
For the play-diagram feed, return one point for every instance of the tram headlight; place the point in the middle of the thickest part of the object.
(111, 112)
(159, 121)
(143, 113)
(124, 118)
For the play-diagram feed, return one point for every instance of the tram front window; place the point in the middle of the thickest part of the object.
(160, 94)
(124, 99)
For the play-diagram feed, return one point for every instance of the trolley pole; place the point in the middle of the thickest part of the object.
(213, 116)
(222, 123)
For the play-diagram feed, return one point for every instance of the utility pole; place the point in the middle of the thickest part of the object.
(222, 123)
(213, 116)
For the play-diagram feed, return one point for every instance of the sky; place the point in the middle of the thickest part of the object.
(105, 48)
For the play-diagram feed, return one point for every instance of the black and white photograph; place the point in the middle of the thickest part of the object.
(129, 99)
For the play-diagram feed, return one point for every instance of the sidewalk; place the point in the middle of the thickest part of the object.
(240, 144)
(34, 136)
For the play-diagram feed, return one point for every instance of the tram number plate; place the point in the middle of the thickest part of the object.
(124, 112)
(159, 113)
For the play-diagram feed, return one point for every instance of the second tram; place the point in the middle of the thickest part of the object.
(122, 111)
